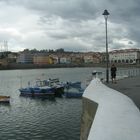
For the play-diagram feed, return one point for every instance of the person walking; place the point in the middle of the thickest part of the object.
(113, 73)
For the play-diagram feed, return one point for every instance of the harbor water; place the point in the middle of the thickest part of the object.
(37, 119)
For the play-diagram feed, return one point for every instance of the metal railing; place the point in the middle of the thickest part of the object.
(121, 73)
(129, 72)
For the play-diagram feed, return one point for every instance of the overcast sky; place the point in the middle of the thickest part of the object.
(75, 25)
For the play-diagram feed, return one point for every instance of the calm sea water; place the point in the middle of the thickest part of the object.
(36, 119)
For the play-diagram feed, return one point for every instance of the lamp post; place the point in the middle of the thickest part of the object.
(106, 13)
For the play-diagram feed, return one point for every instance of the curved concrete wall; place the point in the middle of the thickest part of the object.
(108, 114)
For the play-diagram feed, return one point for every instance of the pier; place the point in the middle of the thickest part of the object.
(110, 114)
(130, 87)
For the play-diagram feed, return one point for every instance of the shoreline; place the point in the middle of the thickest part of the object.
(35, 66)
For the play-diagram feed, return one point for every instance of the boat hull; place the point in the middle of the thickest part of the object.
(59, 91)
(73, 95)
(36, 92)
(4, 99)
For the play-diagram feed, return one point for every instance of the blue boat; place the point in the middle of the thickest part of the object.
(52, 87)
(73, 93)
(37, 92)
(43, 88)
(76, 85)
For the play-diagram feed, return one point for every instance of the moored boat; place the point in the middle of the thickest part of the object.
(73, 95)
(74, 92)
(43, 88)
(37, 91)
(76, 85)
(4, 99)
(52, 87)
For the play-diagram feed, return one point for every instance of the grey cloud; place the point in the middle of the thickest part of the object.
(65, 20)
(73, 9)
(130, 42)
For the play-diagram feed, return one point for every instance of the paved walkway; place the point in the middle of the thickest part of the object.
(130, 87)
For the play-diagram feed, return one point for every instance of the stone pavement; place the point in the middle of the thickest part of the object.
(129, 86)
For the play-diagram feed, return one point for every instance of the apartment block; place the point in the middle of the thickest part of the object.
(125, 56)
(42, 59)
(25, 58)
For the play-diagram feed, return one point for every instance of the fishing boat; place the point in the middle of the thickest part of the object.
(52, 87)
(73, 95)
(36, 92)
(4, 99)
(76, 85)
(43, 88)
(57, 86)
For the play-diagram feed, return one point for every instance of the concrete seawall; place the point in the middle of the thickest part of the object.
(89, 111)
(108, 114)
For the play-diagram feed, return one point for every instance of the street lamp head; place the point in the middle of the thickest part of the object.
(106, 13)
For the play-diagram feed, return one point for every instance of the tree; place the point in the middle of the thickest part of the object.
(61, 50)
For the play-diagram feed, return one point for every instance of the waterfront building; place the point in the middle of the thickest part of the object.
(97, 57)
(91, 57)
(76, 58)
(12, 57)
(88, 59)
(131, 56)
(3, 62)
(42, 59)
(65, 60)
(25, 57)
(55, 59)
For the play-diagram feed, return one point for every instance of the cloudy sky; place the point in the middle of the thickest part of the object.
(75, 25)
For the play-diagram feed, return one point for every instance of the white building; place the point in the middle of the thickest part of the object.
(125, 56)
(65, 60)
